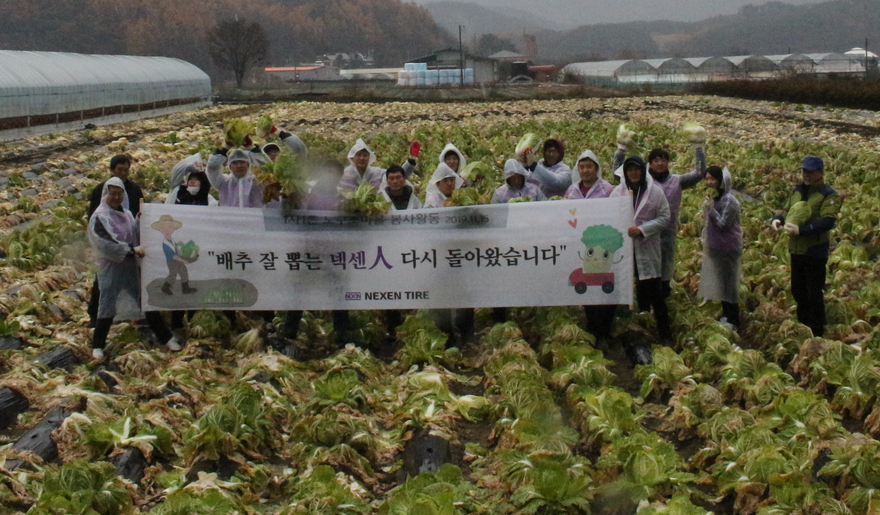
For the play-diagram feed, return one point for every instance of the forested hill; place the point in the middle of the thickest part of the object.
(774, 28)
(298, 30)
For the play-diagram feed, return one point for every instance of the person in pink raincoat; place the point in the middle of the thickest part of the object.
(516, 185)
(240, 187)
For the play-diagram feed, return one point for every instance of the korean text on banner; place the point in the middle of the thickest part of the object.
(522, 254)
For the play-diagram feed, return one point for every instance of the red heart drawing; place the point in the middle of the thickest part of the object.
(573, 223)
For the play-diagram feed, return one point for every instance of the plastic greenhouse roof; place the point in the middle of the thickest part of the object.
(54, 82)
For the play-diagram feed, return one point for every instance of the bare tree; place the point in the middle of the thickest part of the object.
(238, 45)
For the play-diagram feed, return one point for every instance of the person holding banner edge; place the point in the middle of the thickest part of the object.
(587, 183)
(651, 216)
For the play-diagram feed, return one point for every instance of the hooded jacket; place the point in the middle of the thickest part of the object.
(433, 196)
(506, 192)
(235, 192)
(373, 175)
(814, 236)
(600, 189)
(651, 216)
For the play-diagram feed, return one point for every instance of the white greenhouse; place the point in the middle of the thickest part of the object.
(48, 91)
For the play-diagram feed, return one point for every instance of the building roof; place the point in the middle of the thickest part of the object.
(507, 54)
(674, 64)
(609, 68)
(860, 52)
(294, 68)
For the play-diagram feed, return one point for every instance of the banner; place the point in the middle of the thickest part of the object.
(503, 255)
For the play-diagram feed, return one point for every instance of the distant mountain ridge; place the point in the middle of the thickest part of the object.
(478, 20)
(774, 28)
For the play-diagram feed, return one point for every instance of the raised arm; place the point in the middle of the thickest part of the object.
(217, 178)
(691, 179)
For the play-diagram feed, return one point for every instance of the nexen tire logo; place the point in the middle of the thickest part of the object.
(353, 295)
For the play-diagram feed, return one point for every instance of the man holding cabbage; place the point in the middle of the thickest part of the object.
(808, 217)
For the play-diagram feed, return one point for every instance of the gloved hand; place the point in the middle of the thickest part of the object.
(247, 142)
(273, 131)
(792, 229)
(709, 203)
(621, 146)
(283, 135)
(139, 251)
(222, 151)
(775, 224)
(415, 149)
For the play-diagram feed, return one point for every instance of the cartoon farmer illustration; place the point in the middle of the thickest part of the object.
(176, 254)
(601, 242)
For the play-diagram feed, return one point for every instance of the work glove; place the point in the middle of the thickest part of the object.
(709, 203)
(775, 224)
(792, 229)
(222, 151)
(415, 149)
(283, 135)
(247, 142)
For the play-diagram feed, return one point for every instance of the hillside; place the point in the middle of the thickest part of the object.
(774, 28)
(298, 30)
(484, 20)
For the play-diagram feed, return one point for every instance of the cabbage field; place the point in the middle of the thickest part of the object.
(526, 418)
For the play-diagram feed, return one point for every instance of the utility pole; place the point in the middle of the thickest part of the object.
(461, 56)
(866, 58)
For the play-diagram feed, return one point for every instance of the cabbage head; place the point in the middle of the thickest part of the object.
(799, 213)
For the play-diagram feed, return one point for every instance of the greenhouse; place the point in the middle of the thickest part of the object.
(711, 68)
(798, 63)
(47, 91)
(673, 69)
(837, 63)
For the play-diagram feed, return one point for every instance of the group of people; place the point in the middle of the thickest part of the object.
(656, 196)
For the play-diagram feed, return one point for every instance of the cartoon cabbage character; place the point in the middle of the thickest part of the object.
(602, 241)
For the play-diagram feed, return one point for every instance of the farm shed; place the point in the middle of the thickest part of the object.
(712, 68)
(837, 63)
(753, 66)
(630, 71)
(485, 69)
(674, 70)
(48, 91)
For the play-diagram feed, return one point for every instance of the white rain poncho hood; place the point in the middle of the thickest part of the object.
(506, 192)
(433, 196)
(586, 154)
(118, 272)
(513, 167)
(235, 192)
(358, 146)
(462, 162)
(120, 224)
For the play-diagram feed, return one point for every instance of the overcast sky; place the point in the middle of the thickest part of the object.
(573, 13)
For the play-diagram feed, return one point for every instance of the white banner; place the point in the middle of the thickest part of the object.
(523, 254)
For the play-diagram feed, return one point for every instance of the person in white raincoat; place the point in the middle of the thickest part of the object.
(516, 185)
(399, 191)
(651, 216)
(442, 184)
(722, 245)
(586, 179)
(361, 169)
(240, 187)
(553, 176)
(587, 183)
(113, 234)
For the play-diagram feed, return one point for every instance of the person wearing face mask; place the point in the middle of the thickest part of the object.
(722, 244)
(550, 173)
(239, 188)
(587, 183)
(113, 234)
(809, 242)
(651, 216)
(361, 169)
(516, 185)
(190, 185)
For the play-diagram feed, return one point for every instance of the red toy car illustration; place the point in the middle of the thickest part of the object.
(580, 281)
